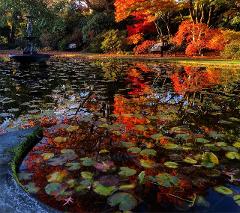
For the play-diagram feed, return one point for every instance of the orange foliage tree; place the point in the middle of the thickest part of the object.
(198, 36)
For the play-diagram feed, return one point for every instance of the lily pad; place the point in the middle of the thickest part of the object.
(87, 175)
(57, 177)
(209, 160)
(127, 187)
(128, 144)
(72, 128)
(223, 190)
(201, 140)
(87, 161)
(236, 198)
(141, 177)
(171, 146)
(166, 180)
(24, 176)
(47, 156)
(55, 189)
(125, 171)
(157, 136)
(147, 163)
(237, 144)
(125, 201)
(60, 140)
(73, 166)
(134, 150)
(190, 160)
(148, 152)
(171, 164)
(32, 188)
(233, 155)
(103, 190)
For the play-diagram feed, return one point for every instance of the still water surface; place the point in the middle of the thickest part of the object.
(147, 137)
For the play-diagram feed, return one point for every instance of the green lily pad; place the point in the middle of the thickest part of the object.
(73, 166)
(171, 146)
(233, 155)
(237, 144)
(134, 150)
(209, 159)
(223, 190)
(128, 144)
(166, 180)
(87, 175)
(171, 164)
(127, 187)
(55, 189)
(24, 176)
(157, 136)
(87, 161)
(103, 190)
(183, 136)
(32, 188)
(140, 127)
(125, 171)
(236, 198)
(57, 177)
(147, 163)
(190, 160)
(148, 152)
(201, 140)
(141, 177)
(221, 144)
(125, 201)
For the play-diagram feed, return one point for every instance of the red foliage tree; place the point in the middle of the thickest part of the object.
(198, 36)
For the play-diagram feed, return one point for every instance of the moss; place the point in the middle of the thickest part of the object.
(22, 150)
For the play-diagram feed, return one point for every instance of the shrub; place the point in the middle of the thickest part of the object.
(114, 41)
(232, 48)
(144, 47)
(95, 44)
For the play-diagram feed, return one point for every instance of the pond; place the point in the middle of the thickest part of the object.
(130, 136)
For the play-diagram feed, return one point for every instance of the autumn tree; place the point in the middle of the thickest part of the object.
(198, 36)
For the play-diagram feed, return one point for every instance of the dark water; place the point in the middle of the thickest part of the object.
(148, 137)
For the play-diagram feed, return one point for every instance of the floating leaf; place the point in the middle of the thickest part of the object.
(125, 171)
(209, 160)
(103, 190)
(134, 150)
(128, 144)
(47, 156)
(147, 163)
(221, 144)
(141, 177)
(72, 128)
(223, 190)
(190, 160)
(183, 136)
(73, 166)
(105, 125)
(166, 180)
(171, 164)
(148, 152)
(60, 139)
(57, 177)
(157, 136)
(87, 175)
(237, 144)
(69, 154)
(125, 201)
(127, 186)
(24, 176)
(140, 127)
(236, 198)
(171, 146)
(105, 166)
(87, 161)
(233, 155)
(234, 119)
(55, 189)
(32, 188)
(201, 140)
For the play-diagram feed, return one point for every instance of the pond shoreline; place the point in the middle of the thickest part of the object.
(12, 196)
(180, 58)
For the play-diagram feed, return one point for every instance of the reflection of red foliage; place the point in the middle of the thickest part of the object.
(194, 80)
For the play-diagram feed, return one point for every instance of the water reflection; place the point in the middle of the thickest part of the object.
(160, 136)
